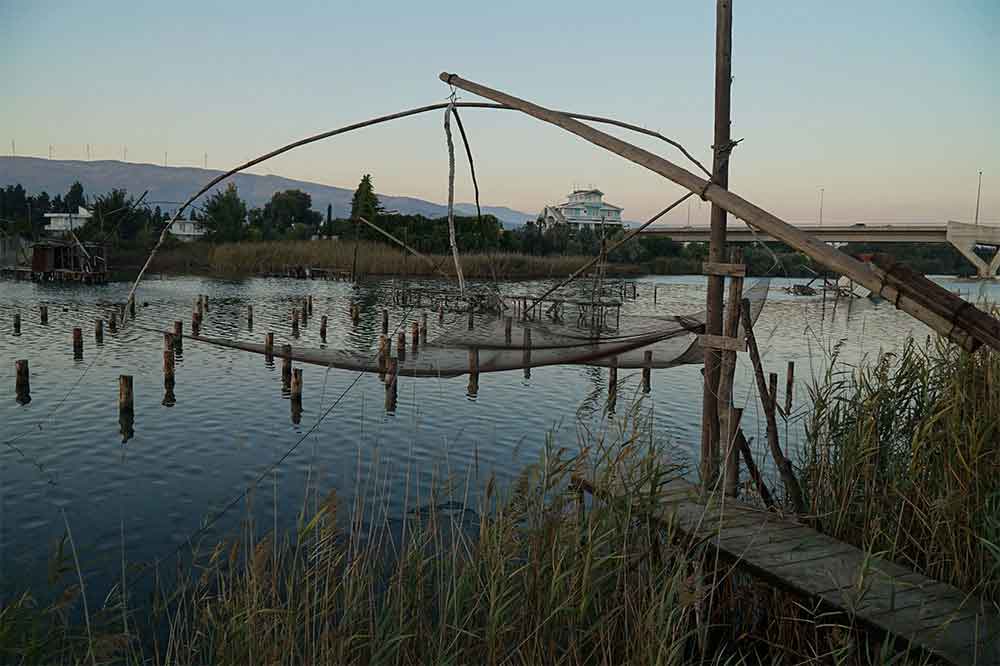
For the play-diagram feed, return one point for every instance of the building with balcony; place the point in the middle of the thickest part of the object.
(583, 207)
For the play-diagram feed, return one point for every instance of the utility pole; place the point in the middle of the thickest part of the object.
(979, 191)
(821, 206)
(721, 148)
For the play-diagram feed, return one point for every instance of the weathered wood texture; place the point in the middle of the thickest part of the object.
(880, 594)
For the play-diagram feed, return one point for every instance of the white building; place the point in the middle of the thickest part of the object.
(187, 230)
(583, 207)
(59, 222)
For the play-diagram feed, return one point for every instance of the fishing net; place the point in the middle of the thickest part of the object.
(567, 334)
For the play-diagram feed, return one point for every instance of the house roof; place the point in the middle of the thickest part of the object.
(80, 212)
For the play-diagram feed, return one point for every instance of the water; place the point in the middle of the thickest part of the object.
(63, 452)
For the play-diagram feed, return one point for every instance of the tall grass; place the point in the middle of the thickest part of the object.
(254, 258)
(903, 457)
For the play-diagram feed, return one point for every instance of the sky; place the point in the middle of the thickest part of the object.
(888, 107)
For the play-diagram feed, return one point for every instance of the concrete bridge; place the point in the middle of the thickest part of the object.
(964, 237)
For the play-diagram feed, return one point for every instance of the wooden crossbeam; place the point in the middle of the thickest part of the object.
(724, 270)
(722, 342)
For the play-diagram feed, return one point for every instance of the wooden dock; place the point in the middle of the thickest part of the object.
(880, 595)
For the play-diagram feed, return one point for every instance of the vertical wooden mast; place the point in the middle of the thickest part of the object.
(717, 245)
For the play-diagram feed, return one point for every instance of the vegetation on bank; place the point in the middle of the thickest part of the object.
(903, 459)
(131, 227)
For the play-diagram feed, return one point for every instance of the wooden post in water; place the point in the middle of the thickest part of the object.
(385, 322)
(286, 366)
(295, 323)
(250, 317)
(526, 354)
(125, 396)
(472, 317)
(204, 298)
(473, 372)
(17, 323)
(131, 307)
(169, 399)
(401, 346)
(22, 385)
(99, 331)
(414, 336)
(43, 314)
(309, 303)
(717, 240)
(77, 343)
(383, 355)
(508, 323)
(296, 388)
(304, 311)
(612, 384)
(269, 343)
(647, 369)
(789, 388)
(322, 328)
(392, 374)
(355, 314)
(423, 327)
(113, 321)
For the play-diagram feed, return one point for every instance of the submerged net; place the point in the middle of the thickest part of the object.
(561, 333)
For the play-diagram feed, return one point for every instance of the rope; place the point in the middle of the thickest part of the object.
(451, 198)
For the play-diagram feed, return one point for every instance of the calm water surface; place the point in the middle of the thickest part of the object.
(63, 452)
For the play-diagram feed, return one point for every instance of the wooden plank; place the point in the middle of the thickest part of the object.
(708, 341)
(723, 270)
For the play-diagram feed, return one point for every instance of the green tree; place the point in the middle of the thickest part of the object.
(288, 208)
(365, 202)
(225, 216)
(74, 198)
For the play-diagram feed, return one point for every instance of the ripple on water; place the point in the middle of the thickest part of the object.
(232, 422)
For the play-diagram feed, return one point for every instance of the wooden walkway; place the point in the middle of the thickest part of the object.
(935, 617)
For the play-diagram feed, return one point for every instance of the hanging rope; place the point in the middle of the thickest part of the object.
(451, 197)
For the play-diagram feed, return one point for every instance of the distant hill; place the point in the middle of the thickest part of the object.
(178, 183)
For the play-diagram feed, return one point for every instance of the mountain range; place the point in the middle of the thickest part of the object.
(167, 186)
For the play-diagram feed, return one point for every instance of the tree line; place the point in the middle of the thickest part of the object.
(123, 219)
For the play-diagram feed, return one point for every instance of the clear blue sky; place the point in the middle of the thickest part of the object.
(889, 106)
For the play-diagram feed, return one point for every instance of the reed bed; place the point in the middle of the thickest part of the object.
(256, 258)
(903, 458)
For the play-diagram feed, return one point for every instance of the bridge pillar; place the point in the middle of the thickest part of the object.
(965, 238)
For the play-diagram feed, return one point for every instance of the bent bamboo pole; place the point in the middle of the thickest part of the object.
(929, 302)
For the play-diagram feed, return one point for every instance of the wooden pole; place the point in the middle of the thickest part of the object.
(269, 343)
(441, 313)
(414, 335)
(789, 388)
(99, 331)
(43, 314)
(169, 399)
(472, 317)
(383, 355)
(423, 327)
(655, 288)
(250, 317)
(727, 426)
(526, 354)
(113, 321)
(296, 388)
(647, 369)
(385, 322)
(125, 395)
(295, 323)
(780, 461)
(17, 323)
(204, 299)
(744, 447)
(612, 384)
(286, 365)
(401, 346)
(309, 303)
(392, 375)
(473, 372)
(322, 328)
(131, 307)
(717, 241)
(508, 323)
(77, 342)
(22, 385)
